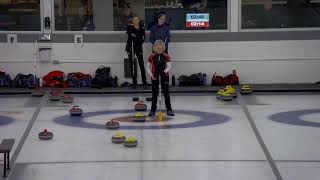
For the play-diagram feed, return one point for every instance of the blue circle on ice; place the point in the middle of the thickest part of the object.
(5, 120)
(205, 119)
(294, 117)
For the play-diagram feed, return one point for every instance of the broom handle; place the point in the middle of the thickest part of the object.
(35, 62)
(133, 61)
(159, 90)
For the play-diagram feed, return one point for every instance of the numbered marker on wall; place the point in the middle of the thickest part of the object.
(78, 40)
(12, 38)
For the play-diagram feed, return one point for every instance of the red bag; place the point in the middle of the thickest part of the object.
(231, 79)
(55, 79)
(217, 81)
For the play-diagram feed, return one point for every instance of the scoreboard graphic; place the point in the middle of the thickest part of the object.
(197, 20)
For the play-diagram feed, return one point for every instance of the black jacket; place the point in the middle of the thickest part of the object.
(137, 36)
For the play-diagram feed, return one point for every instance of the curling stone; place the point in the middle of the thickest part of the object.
(38, 92)
(135, 99)
(246, 90)
(75, 111)
(149, 99)
(130, 142)
(67, 98)
(140, 117)
(230, 90)
(54, 97)
(140, 106)
(118, 138)
(224, 96)
(113, 124)
(219, 93)
(45, 135)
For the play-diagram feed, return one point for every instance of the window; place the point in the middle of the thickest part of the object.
(123, 11)
(83, 15)
(19, 15)
(177, 10)
(114, 15)
(95, 15)
(261, 14)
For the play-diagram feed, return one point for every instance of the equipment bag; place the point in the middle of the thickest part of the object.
(25, 81)
(183, 80)
(55, 79)
(102, 78)
(79, 79)
(195, 80)
(5, 80)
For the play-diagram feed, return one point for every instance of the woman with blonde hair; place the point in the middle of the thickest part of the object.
(159, 66)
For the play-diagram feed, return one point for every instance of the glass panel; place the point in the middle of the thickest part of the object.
(123, 11)
(96, 15)
(19, 15)
(260, 14)
(83, 15)
(177, 10)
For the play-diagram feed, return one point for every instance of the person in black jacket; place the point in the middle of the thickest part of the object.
(160, 31)
(136, 36)
(158, 67)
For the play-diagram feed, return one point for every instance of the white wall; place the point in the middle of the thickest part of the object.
(256, 62)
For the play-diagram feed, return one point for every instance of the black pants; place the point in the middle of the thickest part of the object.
(134, 68)
(164, 88)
